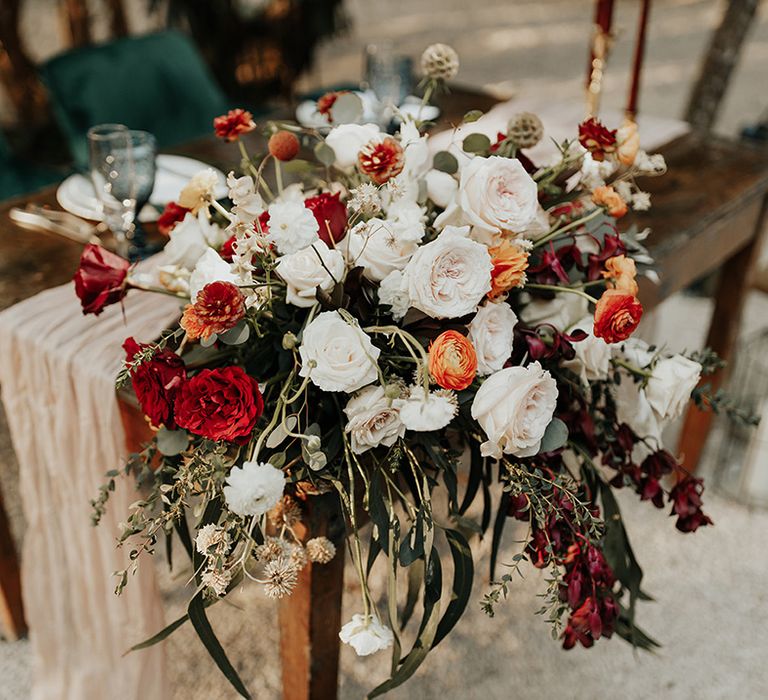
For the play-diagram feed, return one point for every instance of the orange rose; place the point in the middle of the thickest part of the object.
(509, 265)
(620, 272)
(606, 196)
(452, 360)
(616, 315)
(628, 142)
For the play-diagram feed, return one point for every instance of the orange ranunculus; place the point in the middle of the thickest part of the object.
(616, 315)
(628, 140)
(606, 196)
(452, 360)
(620, 272)
(509, 265)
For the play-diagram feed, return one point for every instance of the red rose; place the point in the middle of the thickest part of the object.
(330, 214)
(596, 138)
(233, 124)
(227, 251)
(220, 404)
(217, 308)
(172, 215)
(100, 279)
(263, 223)
(156, 382)
(381, 161)
(616, 315)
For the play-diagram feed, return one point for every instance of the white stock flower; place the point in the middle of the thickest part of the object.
(373, 419)
(593, 355)
(393, 291)
(254, 488)
(495, 194)
(210, 268)
(514, 406)
(374, 246)
(199, 191)
(670, 385)
(449, 277)
(441, 187)
(304, 271)
(491, 333)
(346, 140)
(336, 355)
(190, 238)
(248, 204)
(366, 635)
(423, 411)
(292, 226)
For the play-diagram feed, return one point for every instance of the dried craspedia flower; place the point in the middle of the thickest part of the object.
(286, 512)
(440, 62)
(281, 577)
(525, 130)
(381, 161)
(320, 550)
(283, 145)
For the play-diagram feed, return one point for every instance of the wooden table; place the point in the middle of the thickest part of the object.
(708, 213)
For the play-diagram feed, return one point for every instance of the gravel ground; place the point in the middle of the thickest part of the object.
(709, 587)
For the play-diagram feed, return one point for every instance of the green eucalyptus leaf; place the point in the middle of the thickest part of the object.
(209, 341)
(324, 153)
(171, 442)
(555, 436)
(472, 116)
(236, 335)
(476, 143)
(446, 162)
(347, 109)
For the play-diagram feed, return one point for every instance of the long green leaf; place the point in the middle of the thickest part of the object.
(463, 575)
(161, 635)
(475, 476)
(498, 529)
(415, 581)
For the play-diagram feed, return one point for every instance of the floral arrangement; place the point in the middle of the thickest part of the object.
(413, 332)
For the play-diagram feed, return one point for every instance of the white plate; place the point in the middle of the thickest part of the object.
(76, 194)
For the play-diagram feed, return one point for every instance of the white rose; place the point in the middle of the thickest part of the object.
(190, 238)
(336, 355)
(425, 411)
(562, 311)
(495, 194)
(308, 269)
(292, 226)
(441, 187)
(373, 419)
(491, 333)
(514, 406)
(374, 246)
(593, 355)
(210, 268)
(393, 291)
(366, 635)
(346, 140)
(449, 277)
(632, 408)
(254, 488)
(669, 388)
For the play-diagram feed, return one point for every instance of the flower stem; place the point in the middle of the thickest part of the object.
(574, 224)
(555, 288)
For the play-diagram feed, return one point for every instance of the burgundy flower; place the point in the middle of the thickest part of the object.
(232, 125)
(597, 139)
(217, 308)
(156, 382)
(549, 269)
(381, 161)
(172, 215)
(331, 215)
(100, 279)
(686, 504)
(220, 404)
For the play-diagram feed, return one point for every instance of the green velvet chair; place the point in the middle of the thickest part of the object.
(19, 178)
(156, 82)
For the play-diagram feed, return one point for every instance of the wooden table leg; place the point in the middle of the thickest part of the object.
(11, 608)
(731, 294)
(310, 617)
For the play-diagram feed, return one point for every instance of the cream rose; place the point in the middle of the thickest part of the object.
(495, 194)
(375, 246)
(441, 187)
(593, 355)
(669, 388)
(312, 267)
(491, 332)
(449, 277)
(336, 355)
(373, 419)
(346, 140)
(514, 406)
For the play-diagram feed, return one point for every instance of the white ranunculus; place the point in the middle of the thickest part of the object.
(292, 226)
(366, 635)
(373, 419)
(254, 488)
(593, 355)
(491, 333)
(393, 291)
(346, 140)
(190, 238)
(406, 220)
(669, 387)
(514, 406)
(423, 411)
(312, 267)
(441, 187)
(562, 311)
(210, 268)
(336, 355)
(374, 246)
(495, 194)
(449, 277)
